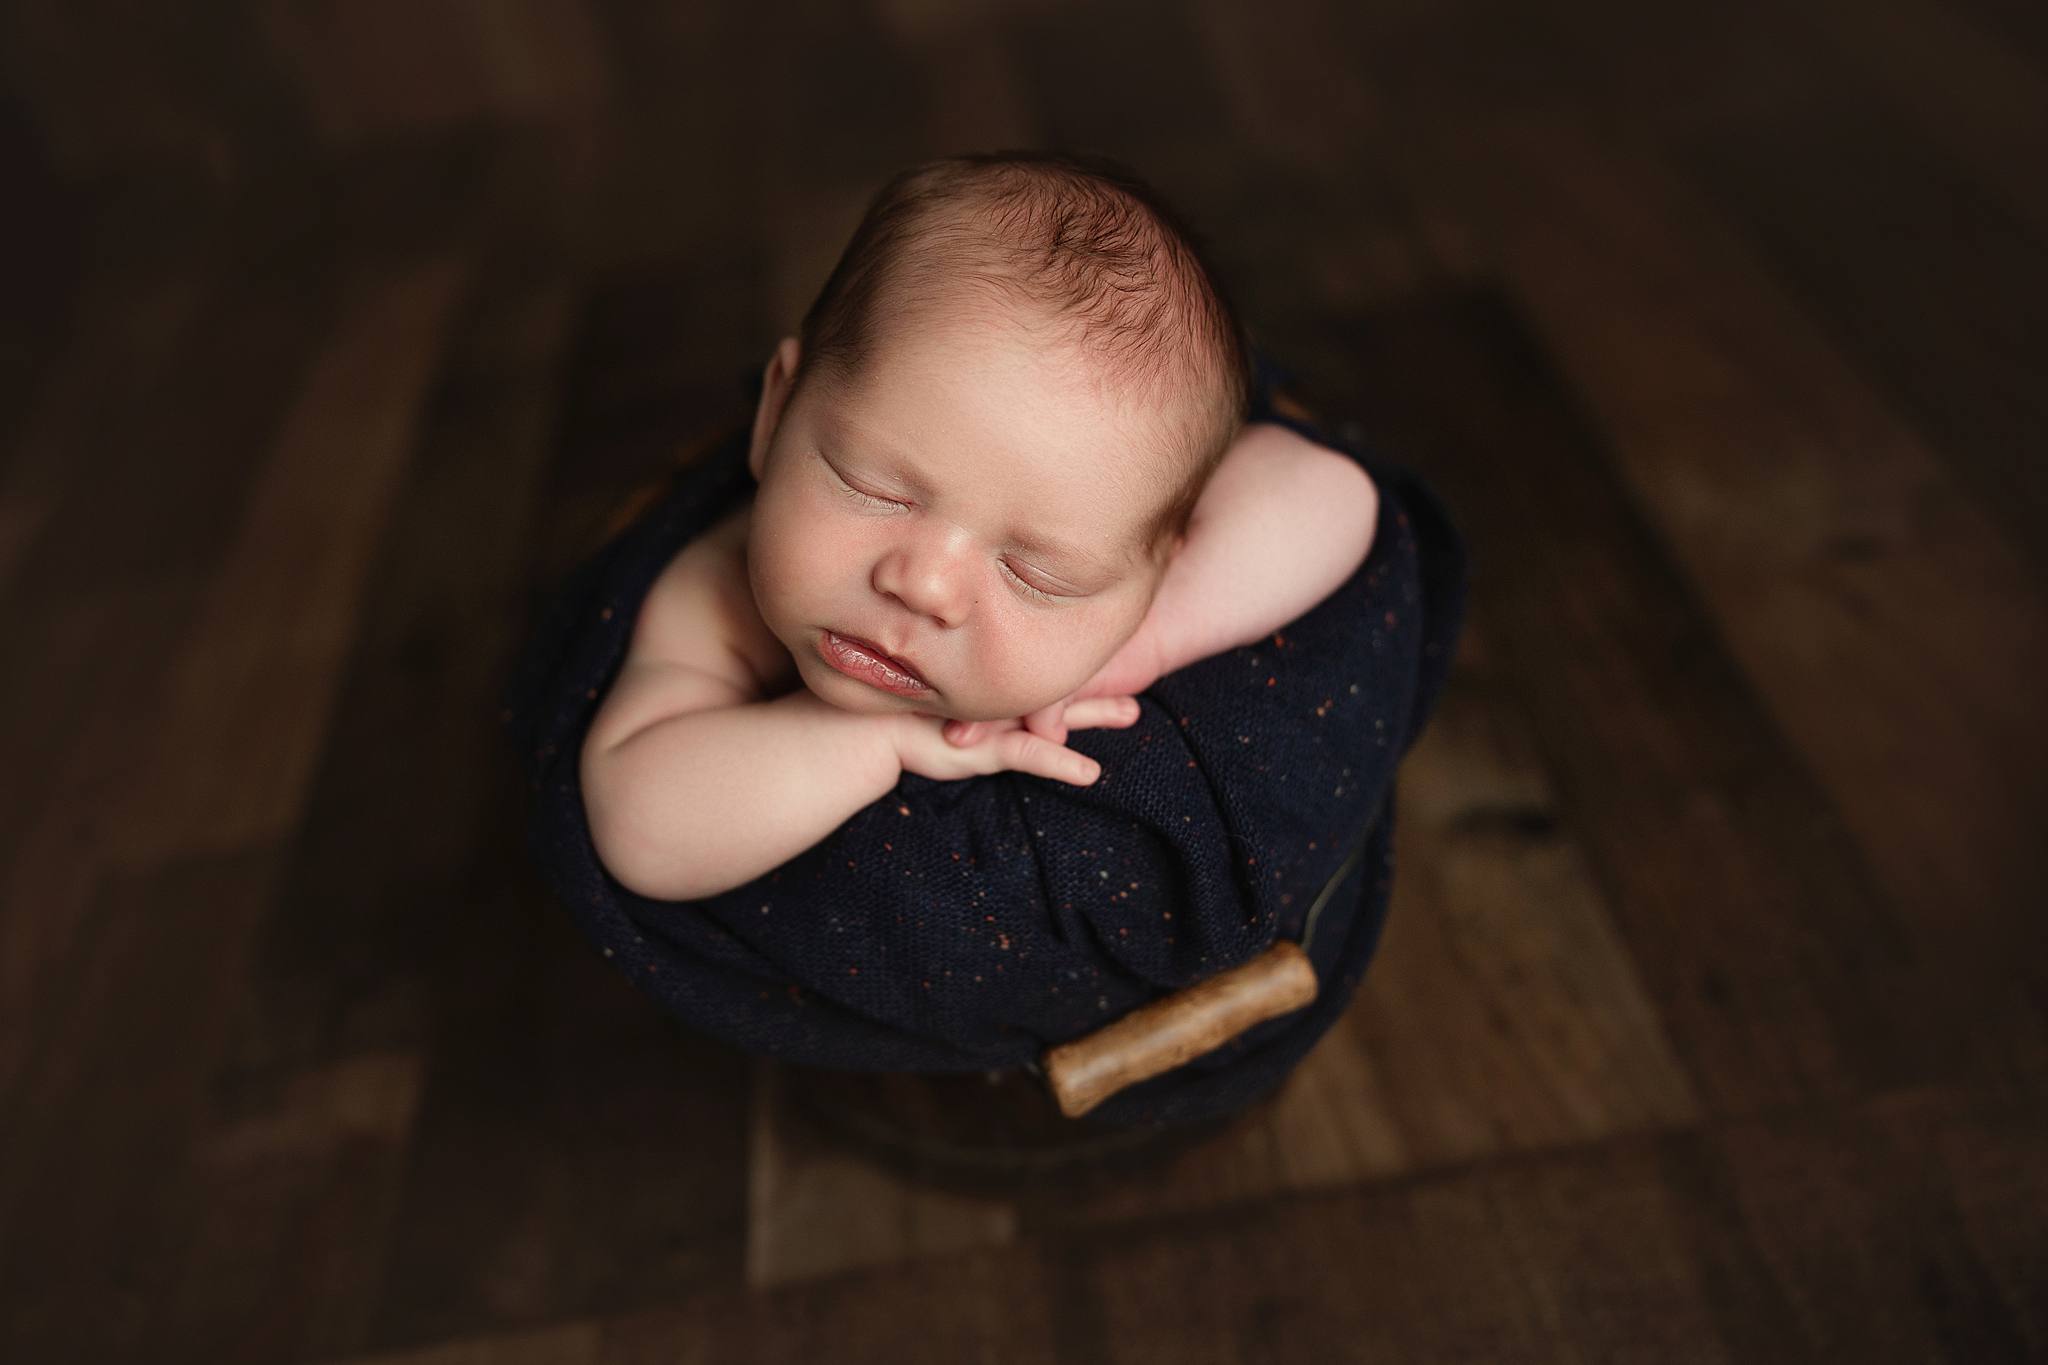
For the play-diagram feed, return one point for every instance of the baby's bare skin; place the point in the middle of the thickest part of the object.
(729, 742)
(767, 663)
(1242, 573)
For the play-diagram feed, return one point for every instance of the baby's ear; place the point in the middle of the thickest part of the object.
(776, 382)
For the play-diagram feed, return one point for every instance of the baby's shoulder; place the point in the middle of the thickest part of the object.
(700, 611)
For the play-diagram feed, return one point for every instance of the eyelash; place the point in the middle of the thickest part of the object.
(869, 500)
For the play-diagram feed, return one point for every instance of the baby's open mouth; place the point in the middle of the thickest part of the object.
(857, 658)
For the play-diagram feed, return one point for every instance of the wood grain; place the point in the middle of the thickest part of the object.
(1709, 1022)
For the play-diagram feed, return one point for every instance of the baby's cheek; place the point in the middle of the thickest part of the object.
(796, 560)
(1036, 665)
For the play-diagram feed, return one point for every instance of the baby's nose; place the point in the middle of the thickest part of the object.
(932, 574)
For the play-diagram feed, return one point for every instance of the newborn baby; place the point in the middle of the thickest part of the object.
(1004, 483)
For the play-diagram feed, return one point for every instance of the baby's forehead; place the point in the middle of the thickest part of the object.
(1114, 465)
(925, 356)
(1069, 490)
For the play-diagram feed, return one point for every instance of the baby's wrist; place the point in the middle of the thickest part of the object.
(884, 741)
(900, 734)
(1141, 660)
(866, 747)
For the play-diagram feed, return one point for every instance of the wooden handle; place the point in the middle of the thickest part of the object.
(1160, 1036)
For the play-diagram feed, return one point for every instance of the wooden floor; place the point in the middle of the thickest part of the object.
(1712, 1018)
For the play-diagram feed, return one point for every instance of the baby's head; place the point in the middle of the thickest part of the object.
(981, 453)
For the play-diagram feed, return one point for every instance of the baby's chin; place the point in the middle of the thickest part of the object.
(852, 695)
(864, 701)
(860, 699)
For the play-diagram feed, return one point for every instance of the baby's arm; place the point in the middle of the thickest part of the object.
(705, 800)
(1281, 525)
(708, 799)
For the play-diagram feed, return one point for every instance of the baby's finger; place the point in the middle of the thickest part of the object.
(1103, 713)
(1049, 723)
(962, 733)
(1025, 752)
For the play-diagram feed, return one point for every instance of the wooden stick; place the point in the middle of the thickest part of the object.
(1160, 1036)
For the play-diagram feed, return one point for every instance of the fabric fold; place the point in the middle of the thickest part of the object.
(959, 926)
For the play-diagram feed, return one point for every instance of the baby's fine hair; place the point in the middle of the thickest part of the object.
(1079, 237)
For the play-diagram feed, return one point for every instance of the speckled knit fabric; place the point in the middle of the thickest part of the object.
(965, 926)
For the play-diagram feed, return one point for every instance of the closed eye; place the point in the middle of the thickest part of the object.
(870, 500)
(865, 499)
(1037, 593)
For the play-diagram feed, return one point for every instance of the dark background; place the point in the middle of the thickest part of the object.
(1709, 1023)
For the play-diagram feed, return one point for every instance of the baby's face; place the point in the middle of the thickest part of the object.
(971, 505)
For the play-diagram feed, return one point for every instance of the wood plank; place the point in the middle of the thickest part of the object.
(88, 819)
(1779, 963)
(1014, 1304)
(653, 368)
(651, 184)
(1263, 62)
(100, 1125)
(378, 69)
(1845, 1210)
(274, 1235)
(1913, 127)
(816, 1208)
(1501, 1014)
(1285, 234)
(322, 1081)
(92, 658)
(1984, 105)
(1731, 811)
(124, 336)
(50, 226)
(569, 1343)
(414, 713)
(1743, 1241)
(1723, 398)
(1505, 1011)
(1167, 127)
(817, 175)
(2016, 24)
(1739, 62)
(1950, 336)
(180, 762)
(575, 1153)
(446, 941)
(170, 427)
(973, 92)
(1621, 1249)
(170, 464)
(246, 707)
(22, 518)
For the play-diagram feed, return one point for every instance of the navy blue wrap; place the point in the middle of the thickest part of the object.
(969, 925)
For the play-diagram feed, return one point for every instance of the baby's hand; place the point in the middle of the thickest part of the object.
(1134, 667)
(1078, 712)
(995, 746)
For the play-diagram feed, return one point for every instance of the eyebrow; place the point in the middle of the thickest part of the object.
(1053, 547)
